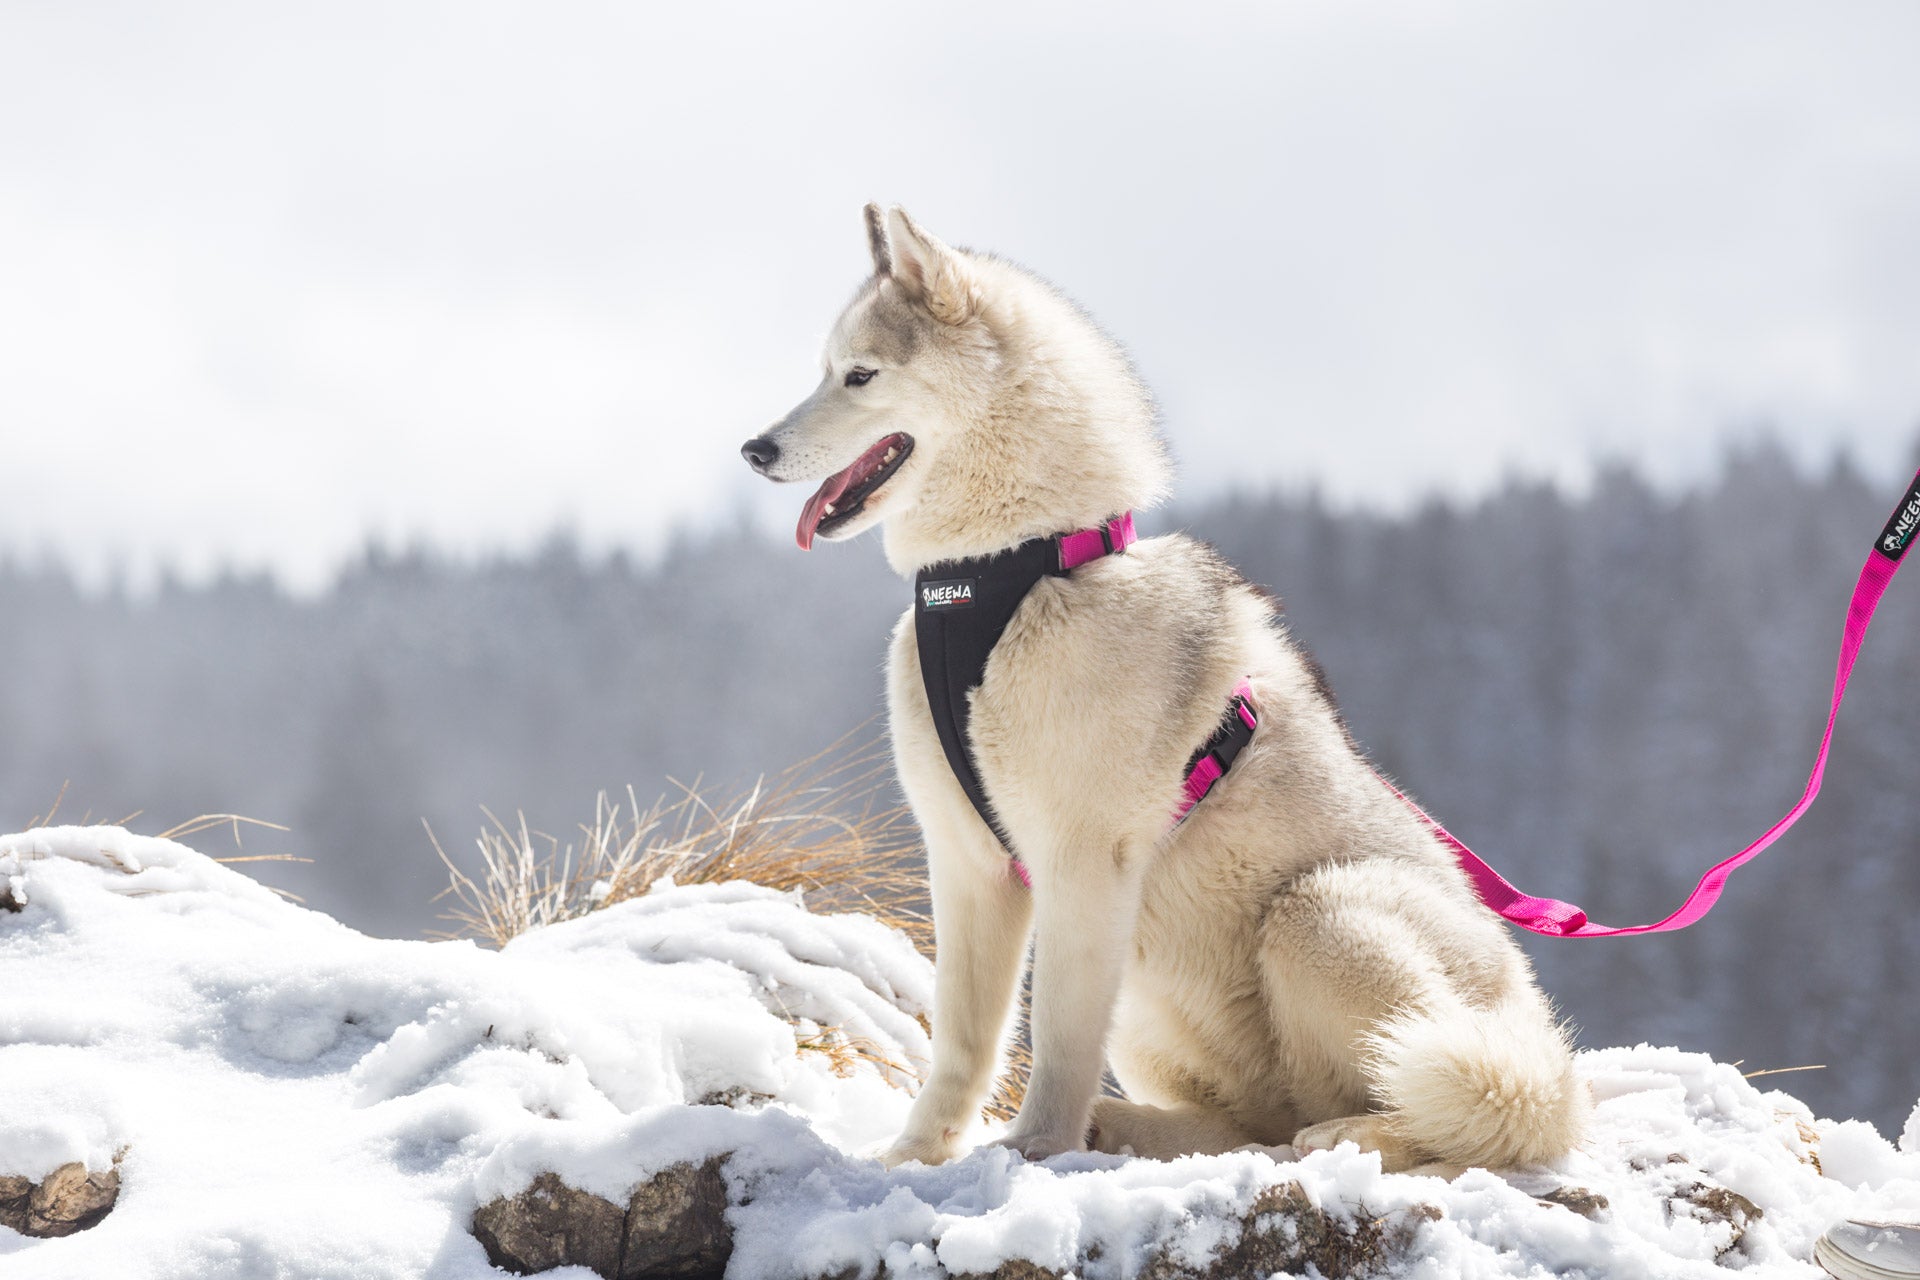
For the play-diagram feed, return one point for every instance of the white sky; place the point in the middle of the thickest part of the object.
(273, 277)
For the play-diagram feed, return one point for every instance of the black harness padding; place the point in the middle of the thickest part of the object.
(961, 609)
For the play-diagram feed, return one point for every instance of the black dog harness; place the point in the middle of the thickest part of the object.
(962, 608)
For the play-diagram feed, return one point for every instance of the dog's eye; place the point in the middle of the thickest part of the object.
(860, 377)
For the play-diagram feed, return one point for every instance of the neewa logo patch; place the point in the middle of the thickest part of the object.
(1898, 535)
(956, 593)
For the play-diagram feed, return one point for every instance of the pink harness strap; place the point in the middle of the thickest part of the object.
(1088, 545)
(1210, 767)
(1558, 919)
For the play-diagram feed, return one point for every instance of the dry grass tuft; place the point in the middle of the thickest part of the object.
(46, 819)
(844, 1052)
(827, 826)
(1781, 1071)
(191, 827)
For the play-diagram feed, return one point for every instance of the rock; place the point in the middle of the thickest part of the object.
(1013, 1269)
(67, 1200)
(1713, 1203)
(551, 1225)
(673, 1228)
(1588, 1204)
(1283, 1233)
(14, 1194)
(677, 1225)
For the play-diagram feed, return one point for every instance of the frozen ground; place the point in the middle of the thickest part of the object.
(291, 1098)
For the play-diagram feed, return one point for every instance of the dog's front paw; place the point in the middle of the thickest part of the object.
(909, 1148)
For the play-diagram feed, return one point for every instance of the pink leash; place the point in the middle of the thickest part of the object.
(1558, 919)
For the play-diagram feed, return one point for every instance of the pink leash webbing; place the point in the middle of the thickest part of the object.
(1558, 919)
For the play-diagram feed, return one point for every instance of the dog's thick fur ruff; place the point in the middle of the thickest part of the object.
(1300, 961)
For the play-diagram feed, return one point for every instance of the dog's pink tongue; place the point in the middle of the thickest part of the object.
(836, 484)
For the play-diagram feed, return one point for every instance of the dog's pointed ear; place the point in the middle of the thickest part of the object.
(877, 240)
(930, 271)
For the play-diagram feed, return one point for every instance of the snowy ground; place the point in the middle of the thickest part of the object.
(289, 1097)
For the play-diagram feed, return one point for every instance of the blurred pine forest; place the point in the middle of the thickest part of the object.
(1602, 695)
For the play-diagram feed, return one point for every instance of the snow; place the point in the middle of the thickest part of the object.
(290, 1097)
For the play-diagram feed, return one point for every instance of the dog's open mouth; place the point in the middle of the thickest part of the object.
(845, 492)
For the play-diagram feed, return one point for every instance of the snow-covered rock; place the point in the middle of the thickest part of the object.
(286, 1096)
(68, 1199)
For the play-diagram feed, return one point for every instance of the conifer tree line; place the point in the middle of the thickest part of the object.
(1603, 695)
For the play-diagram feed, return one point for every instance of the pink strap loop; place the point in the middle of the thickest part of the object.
(1557, 919)
(1088, 545)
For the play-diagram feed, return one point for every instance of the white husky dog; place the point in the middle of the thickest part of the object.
(1300, 960)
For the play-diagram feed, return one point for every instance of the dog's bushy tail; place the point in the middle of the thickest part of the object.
(1494, 1088)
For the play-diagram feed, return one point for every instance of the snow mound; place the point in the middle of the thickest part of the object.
(287, 1096)
(294, 1097)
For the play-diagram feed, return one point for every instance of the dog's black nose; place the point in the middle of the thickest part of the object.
(760, 453)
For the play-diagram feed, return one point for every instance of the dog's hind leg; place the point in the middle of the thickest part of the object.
(1410, 1026)
(1121, 1127)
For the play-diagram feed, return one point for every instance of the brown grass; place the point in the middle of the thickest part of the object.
(828, 826)
(191, 827)
(1781, 1071)
(844, 1052)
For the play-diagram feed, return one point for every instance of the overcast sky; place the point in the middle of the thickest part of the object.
(273, 277)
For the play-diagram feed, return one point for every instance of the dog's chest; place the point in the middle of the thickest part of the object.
(961, 613)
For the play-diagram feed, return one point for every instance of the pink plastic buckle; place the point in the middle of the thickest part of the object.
(1208, 770)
